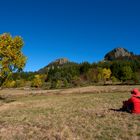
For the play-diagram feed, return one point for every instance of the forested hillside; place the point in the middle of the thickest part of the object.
(118, 67)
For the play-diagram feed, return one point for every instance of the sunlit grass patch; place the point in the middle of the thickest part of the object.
(71, 116)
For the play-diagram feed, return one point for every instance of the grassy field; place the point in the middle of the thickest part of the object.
(68, 117)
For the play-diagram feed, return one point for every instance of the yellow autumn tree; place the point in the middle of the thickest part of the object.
(106, 74)
(37, 81)
(11, 56)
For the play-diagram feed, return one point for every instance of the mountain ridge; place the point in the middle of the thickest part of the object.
(118, 53)
(60, 62)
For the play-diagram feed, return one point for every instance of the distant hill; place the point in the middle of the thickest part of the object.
(61, 62)
(115, 54)
(119, 53)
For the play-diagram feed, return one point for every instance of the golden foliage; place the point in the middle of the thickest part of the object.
(37, 81)
(11, 56)
(106, 73)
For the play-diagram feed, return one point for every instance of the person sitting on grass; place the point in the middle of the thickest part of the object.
(132, 105)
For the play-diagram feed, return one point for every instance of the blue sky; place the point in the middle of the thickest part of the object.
(80, 30)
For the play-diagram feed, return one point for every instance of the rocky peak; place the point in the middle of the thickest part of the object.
(62, 61)
(117, 53)
(121, 52)
(59, 61)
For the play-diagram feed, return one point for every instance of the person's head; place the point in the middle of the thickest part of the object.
(135, 91)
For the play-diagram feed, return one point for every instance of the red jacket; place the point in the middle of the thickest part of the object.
(135, 101)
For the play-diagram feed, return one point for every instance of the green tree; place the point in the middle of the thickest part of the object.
(11, 56)
(100, 74)
(92, 74)
(126, 73)
(99, 77)
(85, 66)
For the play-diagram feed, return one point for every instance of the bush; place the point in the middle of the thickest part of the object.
(65, 83)
(9, 84)
(37, 81)
(20, 83)
(114, 79)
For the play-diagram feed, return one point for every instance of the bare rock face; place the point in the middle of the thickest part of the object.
(59, 61)
(121, 52)
(117, 53)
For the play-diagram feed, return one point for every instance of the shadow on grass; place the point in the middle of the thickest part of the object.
(118, 110)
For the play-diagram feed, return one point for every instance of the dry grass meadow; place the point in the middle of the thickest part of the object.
(67, 114)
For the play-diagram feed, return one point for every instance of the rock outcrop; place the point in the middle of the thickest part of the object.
(60, 61)
(118, 53)
(57, 63)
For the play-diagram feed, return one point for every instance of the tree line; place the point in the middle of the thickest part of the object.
(73, 75)
(12, 62)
